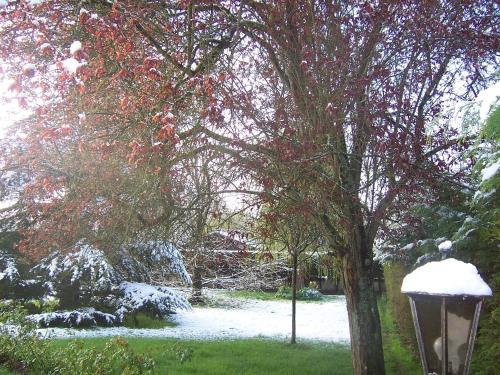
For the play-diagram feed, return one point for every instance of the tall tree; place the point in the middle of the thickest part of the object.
(341, 93)
(109, 148)
(350, 92)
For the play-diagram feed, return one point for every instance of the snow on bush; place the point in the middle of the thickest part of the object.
(161, 256)
(153, 300)
(490, 171)
(8, 268)
(86, 270)
(131, 268)
(9, 275)
(86, 277)
(82, 318)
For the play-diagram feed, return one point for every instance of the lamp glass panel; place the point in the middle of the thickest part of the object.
(429, 316)
(459, 315)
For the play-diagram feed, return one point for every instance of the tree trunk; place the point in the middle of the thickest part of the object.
(196, 292)
(294, 297)
(364, 321)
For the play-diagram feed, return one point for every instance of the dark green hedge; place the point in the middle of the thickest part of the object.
(398, 303)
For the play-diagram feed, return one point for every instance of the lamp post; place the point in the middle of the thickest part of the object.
(445, 300)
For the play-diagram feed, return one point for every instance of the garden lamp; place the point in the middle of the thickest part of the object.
(445, 300)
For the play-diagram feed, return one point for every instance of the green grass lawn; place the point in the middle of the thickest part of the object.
(258, 356)
(398, 358)
(247, 357)
(252, 294)
(271, 296)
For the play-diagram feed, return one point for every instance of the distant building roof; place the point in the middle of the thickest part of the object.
(230, 241)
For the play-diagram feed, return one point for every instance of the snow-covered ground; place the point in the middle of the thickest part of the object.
(319, 321)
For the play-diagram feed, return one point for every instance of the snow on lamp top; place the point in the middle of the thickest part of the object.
(448, 277)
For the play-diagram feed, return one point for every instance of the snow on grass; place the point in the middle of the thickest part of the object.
(447, 277)
(318, 321)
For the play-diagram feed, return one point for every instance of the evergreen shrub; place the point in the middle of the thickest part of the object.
(303, 294)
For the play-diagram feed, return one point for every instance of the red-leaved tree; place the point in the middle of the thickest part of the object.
(110, 151)
(344, 102)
